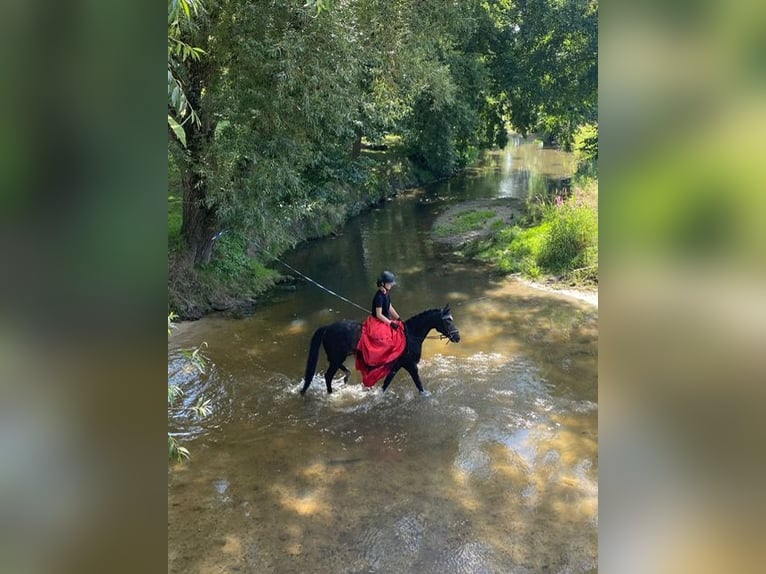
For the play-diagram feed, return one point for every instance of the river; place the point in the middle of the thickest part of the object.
(495, 470)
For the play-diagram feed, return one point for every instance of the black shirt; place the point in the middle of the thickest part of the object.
(382, 300)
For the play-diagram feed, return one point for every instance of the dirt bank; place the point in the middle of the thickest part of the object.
(452, 227)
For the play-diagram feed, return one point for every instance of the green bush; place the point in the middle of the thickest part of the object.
(571, 237)
(235, 269)
(586, 150)
(515, 250)
(563, 242)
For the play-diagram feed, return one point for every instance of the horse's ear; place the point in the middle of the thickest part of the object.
(446, 309)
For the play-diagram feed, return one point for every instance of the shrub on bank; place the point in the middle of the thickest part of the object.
(571, 238)
(516, 250)
(236, 273)
(564, 243)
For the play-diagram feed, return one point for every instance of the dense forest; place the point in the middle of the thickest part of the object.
(285, 117)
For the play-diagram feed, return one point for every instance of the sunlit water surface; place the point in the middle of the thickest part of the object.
(495, 470)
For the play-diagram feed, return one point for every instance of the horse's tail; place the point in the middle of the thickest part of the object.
(311, 362)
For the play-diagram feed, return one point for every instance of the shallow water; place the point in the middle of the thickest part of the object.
(494, 470)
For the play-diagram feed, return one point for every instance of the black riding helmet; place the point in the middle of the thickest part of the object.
(386, 277)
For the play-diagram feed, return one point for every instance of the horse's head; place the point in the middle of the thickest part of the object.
(447, 327)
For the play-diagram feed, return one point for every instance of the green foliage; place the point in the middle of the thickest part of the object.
(572, 238)
(564, 242)
(457, 111)
(474, 219)
(516, 249)
(546, 62)
(176, 451)
(175, 241)
(180, 20)
(465, 222)
(268, 108)
(196, 361)
(171, 317)
(236, 267)
(586, 150)
(319, 5)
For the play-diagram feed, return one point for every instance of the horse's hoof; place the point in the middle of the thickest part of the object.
(425, 393)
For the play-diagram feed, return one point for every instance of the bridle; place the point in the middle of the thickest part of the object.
(451, 331)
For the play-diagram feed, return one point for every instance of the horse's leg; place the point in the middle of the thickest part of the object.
(347, 373)
(331, 370)
(390, 377)
(412, 369)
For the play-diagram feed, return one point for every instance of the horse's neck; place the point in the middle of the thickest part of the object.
(420, 325)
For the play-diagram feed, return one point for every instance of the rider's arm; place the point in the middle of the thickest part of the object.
(394, 313)
(379, 315)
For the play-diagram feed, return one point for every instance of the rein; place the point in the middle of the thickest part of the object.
(342, 298)
(307, 278)
(440, 336)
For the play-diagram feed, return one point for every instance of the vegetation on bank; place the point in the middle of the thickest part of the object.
(562, 245)
(238, 270)
(558, 235)
(285, 121)
(192, 360)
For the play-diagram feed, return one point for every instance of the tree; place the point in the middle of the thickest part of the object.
(546, 64)
(275, 100)
(277, 107)
(180, 14)
(453, 114)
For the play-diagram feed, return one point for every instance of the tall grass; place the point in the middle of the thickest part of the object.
(572, 238)
(516, 250)
(563, 244)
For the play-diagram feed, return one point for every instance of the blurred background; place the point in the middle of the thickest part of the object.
(83, 288)
(683, 313)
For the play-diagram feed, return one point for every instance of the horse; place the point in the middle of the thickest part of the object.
(341, 338)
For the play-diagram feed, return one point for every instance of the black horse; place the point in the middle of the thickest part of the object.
(341, 338)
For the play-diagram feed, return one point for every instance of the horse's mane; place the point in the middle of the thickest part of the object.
(426, 312)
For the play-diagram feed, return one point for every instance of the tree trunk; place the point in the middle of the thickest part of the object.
(200, 222)
(357, 147)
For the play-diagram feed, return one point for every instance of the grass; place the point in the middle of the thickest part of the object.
(231, 274)
(174, 223)
(468, 221)
(564, 244)
(516, 250)
(571, 238)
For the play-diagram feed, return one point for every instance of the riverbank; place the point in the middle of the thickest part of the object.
(495, 232)
(589, 296)
(240, 272)
(551, 242)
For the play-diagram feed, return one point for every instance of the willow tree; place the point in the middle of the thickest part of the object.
(456, 112)
(286, 89)
(282, 96)
(545, 61)
(275, 98)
